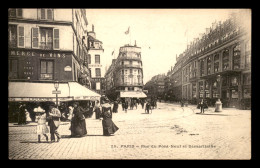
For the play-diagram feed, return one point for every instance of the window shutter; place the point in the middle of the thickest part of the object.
(12, 12)
(20, 36)
(35, 37)
(49, 14)
(43, 14)
(19, 12)
(56, 36)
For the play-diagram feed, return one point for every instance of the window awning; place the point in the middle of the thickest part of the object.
(133, 94)
(28, 91)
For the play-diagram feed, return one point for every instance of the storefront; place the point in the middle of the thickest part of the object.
(35, 93)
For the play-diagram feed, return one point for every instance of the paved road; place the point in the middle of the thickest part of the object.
(170, 132)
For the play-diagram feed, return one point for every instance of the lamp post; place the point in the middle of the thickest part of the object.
(56, 86)
(218, 104)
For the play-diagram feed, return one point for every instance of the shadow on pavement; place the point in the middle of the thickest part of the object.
(212, 114)
(17, 125)
(34, 142)
(69, 136)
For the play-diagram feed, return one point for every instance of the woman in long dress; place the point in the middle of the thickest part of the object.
(115, 107)
(108, 125)
(97, 109)
(78, 123)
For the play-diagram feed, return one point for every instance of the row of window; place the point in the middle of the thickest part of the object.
(46, 69)
(42, 38)
(131, 63)
(43, 13)
(97, 72)
(124, 72)
(97, 59)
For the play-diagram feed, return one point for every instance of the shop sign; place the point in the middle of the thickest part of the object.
(38, 99)
(33, 53)
(67, 68)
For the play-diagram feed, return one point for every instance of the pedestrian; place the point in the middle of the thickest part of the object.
(54, 122)
(78, 123)
(131, 104)
(123, 104)
(142, 103)
(108, 125)
(126, 106)
(42, 128)
(27, 115)
(70, 113)
(202, 105)
(22, 115)
(64, 112)
(97, 109)
(135, 104)
(115, 107)
(147, 107)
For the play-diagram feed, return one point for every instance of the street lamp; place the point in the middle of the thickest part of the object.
(56, 86)
(218, 102)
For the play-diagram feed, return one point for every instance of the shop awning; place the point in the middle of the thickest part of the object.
(29, 91)
(133, 94)
(79, 92)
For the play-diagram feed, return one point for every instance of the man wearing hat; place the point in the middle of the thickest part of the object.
(54, 122)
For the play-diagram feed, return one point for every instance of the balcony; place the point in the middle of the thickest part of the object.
(129, 66)
(130, 58)
(46, 46)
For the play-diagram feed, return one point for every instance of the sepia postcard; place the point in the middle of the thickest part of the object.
(129, 84)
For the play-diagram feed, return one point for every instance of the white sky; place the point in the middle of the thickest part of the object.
(163, 30)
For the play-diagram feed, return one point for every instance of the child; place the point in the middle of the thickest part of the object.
(42, 128)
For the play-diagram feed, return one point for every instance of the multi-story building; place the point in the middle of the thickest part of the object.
(96, 62)
(47, 45)
(173, 82)
(124, 78)
(155, 86)
(218, 65)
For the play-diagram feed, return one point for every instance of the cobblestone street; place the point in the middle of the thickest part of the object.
(170, 132)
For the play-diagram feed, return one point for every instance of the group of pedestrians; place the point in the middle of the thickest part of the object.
(48, 121)
(52, 117)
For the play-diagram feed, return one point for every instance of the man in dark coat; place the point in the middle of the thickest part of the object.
(22, 115)
(202, 105)
(142, 103)
(54, 122)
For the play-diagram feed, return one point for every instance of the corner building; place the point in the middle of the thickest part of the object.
(46, 45)
(125, 76)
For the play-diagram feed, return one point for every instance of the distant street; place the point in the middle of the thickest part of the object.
(170, 132)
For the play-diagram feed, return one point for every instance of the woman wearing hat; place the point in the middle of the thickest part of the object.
(108, 125)
(78, 123)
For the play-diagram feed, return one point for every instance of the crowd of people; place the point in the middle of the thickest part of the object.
(48, 115)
